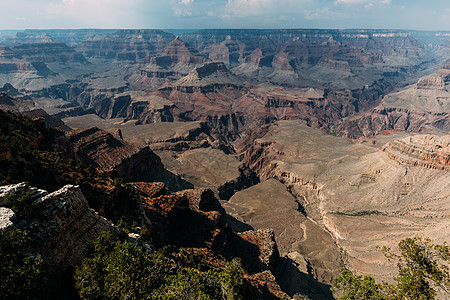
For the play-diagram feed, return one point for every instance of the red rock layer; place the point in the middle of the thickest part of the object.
(426, 151)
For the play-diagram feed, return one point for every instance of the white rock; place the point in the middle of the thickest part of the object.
(6, 217)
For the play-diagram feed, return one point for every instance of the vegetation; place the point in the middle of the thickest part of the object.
(31, 152)
(422, 270)
(122, 270)
(43, 157)
(22, 205)
(21, 273)
(359, 213)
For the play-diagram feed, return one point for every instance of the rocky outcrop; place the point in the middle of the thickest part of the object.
(201, 199)
(151, 189)
(63, 225)
(142, 164)
(101, 149)
(180, 51)
(98, 148)
(265, 284)
(177, 56)
(48, 51)
(431, 83)
(50, 121)
(191, 218)
(264, 239)
(7, 217)
(426, 151)
(10, 90)
(209, 76)
(137, 106)
(381, 120)
(176, 60)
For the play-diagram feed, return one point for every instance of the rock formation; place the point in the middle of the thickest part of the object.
(361, 195)
(211, 73)
(423, 150)
(261, 96)
(63, 227)
(130, 44)
(48, 51)
(190, 218)
(100, 149)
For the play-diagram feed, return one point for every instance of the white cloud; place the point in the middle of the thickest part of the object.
(183, 8)
(322, 14)
(180, 12)
(244, 8)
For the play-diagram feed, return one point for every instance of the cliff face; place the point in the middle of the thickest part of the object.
(64, 225)
(386, 42)
(352, 70)
(423, 150)
(101, 149)
(381, 120)
(431, 83)
(130, 45)
(412, 109)
(360, 195)
(287, 56)
(195, 218)
(140, 106)
(48, 51)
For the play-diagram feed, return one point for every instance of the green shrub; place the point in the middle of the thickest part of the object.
(358, 287)
(21, 274)
(422, 269)
(21, 204)
(122, 270)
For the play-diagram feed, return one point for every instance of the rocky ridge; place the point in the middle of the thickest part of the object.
(416, 108)
(293, 58)
(189, 218)
(380, 120)
(423, 150)
(101, 149)
(64, 225)
(211, 73)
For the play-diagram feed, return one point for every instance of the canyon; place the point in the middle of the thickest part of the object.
(316, 147)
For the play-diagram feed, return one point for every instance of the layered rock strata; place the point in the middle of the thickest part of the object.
(361, 196)
(101, 149)
(423, 150)
(63, 227)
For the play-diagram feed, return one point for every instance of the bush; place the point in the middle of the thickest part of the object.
(358, 287)
(21, 274)
(21, 204)
(121, 270)
(422, 269)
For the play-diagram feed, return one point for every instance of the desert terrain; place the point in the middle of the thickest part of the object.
(337, 140)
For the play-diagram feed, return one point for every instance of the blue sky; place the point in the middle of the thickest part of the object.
(389, 14)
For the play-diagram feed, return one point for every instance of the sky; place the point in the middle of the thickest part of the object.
(204, 14)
